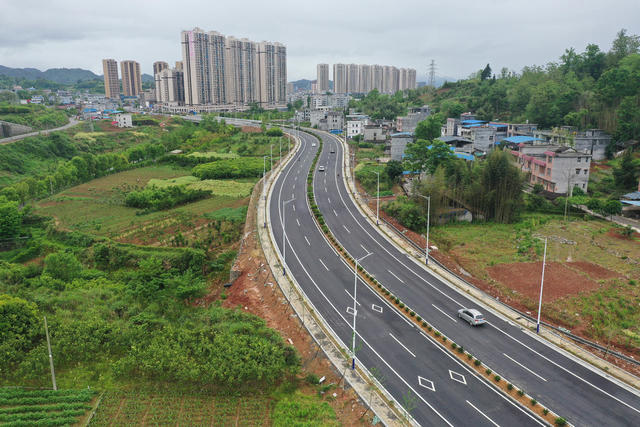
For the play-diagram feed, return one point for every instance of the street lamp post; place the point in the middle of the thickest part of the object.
(426, 259)
(544, 260)
(355, 290)
(284, 234)
(264, 187)
(378, 200)
(271, 156)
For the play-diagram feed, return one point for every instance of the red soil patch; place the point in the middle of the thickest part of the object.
(594, 271)
(251, 129)
(616, 233)
(524, 277)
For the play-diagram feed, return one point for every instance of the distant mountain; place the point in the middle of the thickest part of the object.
(302, 84)
(146, 78)
(57, 75)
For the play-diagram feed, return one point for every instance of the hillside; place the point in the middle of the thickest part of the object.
(56, 75)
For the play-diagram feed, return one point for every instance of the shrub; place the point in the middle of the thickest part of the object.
(154, 199)
(418, 318)
(477, 362)
(497, 378)
(560, 421)
(534, 402)
(469, 356)
(244, 167)
(412, 314)
(520, 393)
(454, 345)
(460, 349)
(406, 309)
(312, 379)
(509, 386)
(545, 411)
(424, 324)
(444, 339)
(401, 304)
(429, 328)
(488, 371)
(437, 334)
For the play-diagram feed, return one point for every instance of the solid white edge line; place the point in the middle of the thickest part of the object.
(442, 311)
(483, 414)
(523, 367)
(403, 346)
(351, 296)
(308, 243)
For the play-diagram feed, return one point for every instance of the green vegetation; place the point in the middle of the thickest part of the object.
(36, 116)
(22, 407)
(300, 410)
(589, 89)
(231, 168)
(219, 187)
(154, 199)
(214, 155)
(378, 106)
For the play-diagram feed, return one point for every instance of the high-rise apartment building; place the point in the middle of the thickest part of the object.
(323, 78)
(111, 82)
(171, 87)
(131, 80)
(364, 78)
(159, 66)
(376, 77)
(221, 70)
(353, 78)
(339, 78)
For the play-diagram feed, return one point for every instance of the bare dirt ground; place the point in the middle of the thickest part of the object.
(256, 291)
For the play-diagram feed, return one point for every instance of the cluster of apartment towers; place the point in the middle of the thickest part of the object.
(359, 78)
(216, 73)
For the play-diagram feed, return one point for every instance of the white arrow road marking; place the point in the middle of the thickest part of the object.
(403, 346)
(426, 383)
(523, 367)
(457, 377)
(444, 313)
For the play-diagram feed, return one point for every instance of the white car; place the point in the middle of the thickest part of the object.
(471, 316)
(321, 168)
(313, 145)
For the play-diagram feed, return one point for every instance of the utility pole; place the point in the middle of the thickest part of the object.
(544, 260)
(355, 290)
(426, 259)
(271, 156)
(53, 372)
(378, 200)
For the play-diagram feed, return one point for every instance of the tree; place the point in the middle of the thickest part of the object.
(18, 327)
(626, 175)
(10, 218)
(426, 156)
(393, 170)
(486, 73)
(612, 207)
(624, 45)
(62, 265)
(628, 114)
(430, 128)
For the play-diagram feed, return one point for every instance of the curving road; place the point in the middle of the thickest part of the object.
(439, 389)
(574, 390)
(7, 140)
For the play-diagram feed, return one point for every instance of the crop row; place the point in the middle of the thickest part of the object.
(41, 415)
(34, 408)
(20, 392)
(14, 401)
(51, 422)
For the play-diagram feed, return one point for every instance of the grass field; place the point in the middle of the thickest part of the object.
(607, 312)
(97, 207)
(214, 155)
(22, 407)
(218, 187)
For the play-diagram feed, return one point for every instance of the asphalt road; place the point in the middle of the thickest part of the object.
(72, 122)
(573, 390)
(437, 388)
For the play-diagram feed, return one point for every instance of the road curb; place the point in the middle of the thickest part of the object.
(321, 332)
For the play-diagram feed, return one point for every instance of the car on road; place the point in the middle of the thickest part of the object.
(321, 168)
(333, 150)
(471, 316)
(313, 145)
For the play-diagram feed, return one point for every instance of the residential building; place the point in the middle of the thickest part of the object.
(374, 133)
(290, 88)
(131, 80)
(399, 143)
(171, 87)
(377, 77)
(409, 122)
(356, 124)
(229, 73)
(111, 82)
(323, 78)
(452, 127)
(501, 130)
(593, 141)
(353, 78)
(123, 120)
(557, 168)
(521, 129)
(364, 78)
(339, 78)
(159, 66)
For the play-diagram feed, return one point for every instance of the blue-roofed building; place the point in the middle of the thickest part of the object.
(521, 140)
(631, 204)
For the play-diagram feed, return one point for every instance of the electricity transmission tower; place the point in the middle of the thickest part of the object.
(432, 74)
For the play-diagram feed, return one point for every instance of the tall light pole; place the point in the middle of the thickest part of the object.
(53, 372)
(284, 233)
(271, 156)
(378, 199)
(355, 290)
(264, 187)
(544, 260)
(426, 258)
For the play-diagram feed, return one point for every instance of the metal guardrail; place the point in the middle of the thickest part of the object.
(524, 315)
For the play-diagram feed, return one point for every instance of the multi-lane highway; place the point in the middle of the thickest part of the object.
(570, 388)
(414, 369)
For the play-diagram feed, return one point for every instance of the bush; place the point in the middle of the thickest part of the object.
(545, 411)
(444, 339)
(62, 265)
(497, 378)
(488, 371)
(401, 305)
(477, 362)
(469, 356)
(460, 349)
(312, 379)
(418, 318)
(454, 345)
(430, 328)
(244, 167)
(534, 402)
(520, 393)
(437, 334)
(509, 386)
(155, 199)
(424, 324)
(560, 421)
(412, 314)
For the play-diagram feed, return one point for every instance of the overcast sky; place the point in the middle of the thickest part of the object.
(461, 36)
